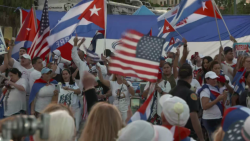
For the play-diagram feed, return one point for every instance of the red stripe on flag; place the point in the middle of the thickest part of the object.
(136, 63)
(130, 39)
(124, 45)
(135, 33)
(126, 53)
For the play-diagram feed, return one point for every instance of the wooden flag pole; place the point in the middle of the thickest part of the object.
(221, 17)
(217, 24)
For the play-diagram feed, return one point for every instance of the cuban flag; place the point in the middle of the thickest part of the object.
(86, 16)
(99, 35)
(239, 81)
(38, 84)
(204, 14)
(234, 114)
(214, 93)
(143, 113)
(173, 44)
(26, 35)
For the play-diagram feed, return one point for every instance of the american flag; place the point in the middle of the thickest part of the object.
(39, 47)
(138, 56)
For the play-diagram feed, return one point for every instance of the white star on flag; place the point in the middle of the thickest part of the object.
(204, 5)
(28, 29)
(94, 10)
(167, 27)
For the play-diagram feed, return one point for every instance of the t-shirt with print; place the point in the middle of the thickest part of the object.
(76, 98)
(120, 91)
(214, 111)
(25, 73)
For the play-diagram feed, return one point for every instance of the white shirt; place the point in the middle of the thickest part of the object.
(34, 75)
(25, 73)
(15, 101)
(116, 88)
(44, 97)
(76, 98)
(214, 111)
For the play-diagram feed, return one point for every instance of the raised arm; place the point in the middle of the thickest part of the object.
(175, 64)
(74, 53)
(104, 82)
(184, 53)
(75, 73)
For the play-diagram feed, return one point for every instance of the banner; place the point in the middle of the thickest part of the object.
(241, 49)
(67, 97)
(2, 43)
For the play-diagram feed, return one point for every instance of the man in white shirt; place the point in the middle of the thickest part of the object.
(196, 60)
(37, 63)
(229, 57)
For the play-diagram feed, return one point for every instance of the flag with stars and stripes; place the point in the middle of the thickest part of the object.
(39, 47)
(138, 56)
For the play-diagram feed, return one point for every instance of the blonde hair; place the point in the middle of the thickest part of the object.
(218, 135)
(103, 123)
(62, 124)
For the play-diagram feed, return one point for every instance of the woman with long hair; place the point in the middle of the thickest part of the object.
(14, 94)
(205, 68)
(121, 90)
(103, 123)
(70, 85)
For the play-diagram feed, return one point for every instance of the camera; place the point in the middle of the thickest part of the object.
(24, 125)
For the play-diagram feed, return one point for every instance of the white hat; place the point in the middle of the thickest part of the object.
(144, 131)
(57, 52)
(26, 56)
(175, 110)
(211, 75)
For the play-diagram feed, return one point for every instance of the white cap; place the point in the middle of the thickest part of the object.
(211, 75)
(144, 131)
(26, 56)
(57, 52)
(175, 110)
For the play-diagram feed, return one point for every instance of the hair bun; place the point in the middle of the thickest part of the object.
(178, 108)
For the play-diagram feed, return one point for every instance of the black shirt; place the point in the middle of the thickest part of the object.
(77, 75)
(183, 91)
(58, 78)
(243, 98)
(91, 98)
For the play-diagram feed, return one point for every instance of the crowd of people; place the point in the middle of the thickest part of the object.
(194, 98)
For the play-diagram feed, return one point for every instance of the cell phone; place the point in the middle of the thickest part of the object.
(196, 53)
(135, 103)
(57, 87)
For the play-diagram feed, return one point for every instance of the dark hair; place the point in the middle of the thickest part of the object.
(71, 81)
(168, 64)
(15, 71)
(209, 59)
(34, 60)
(107, 52)
(185, 71)
(246, 74)
(212, 65)
(23, 48)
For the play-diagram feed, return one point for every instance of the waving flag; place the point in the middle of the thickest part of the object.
(38, 84)
(115, 43)
(167, 27)
(173, 43)
(23, 15)
(239, 81)
(150, 32)
(202, 15)
(26, 34)
(39, 47)
(143, 113)
(138, 56)
(85, 16)
(99, 35)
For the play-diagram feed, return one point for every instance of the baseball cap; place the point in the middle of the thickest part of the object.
(26, 56)
(234, 114)
(221, 79)
(45, 70)
(227, 49)
(175, 110)
(144, 131)
(211, 75)
(57, 52)
(239, 131)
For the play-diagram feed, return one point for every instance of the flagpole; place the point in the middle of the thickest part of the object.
(105, 30)
(178, 33)
(221, 17)
(217, 24)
